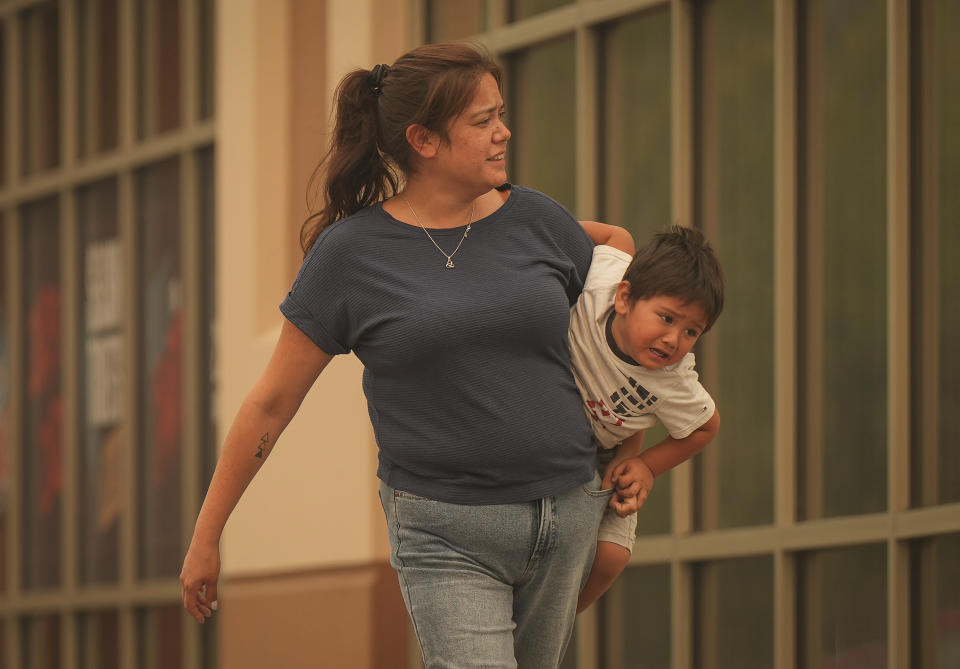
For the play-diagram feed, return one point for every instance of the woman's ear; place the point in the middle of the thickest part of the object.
(423, 141)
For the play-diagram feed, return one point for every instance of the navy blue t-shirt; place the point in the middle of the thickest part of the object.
(466, 370)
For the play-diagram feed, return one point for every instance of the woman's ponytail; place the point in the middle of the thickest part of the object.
(353, 174)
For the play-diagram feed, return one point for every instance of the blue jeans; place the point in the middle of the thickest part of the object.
(493, 586)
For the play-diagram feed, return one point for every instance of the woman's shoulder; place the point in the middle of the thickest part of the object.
(349, 230)
(535, 206)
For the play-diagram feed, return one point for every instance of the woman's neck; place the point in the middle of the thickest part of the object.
(418, 204)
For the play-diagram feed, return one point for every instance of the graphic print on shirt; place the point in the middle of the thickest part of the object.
(640, 399)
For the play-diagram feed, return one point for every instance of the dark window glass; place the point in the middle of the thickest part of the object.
(735, 210)
(97, 70)
(642, 618)
(105, 444)
(40, 79)
(161, 637)
(40, 642)
(734, 614)
(42, 455)
(843, 240)
(162, 350)
(541, 115)
(99, 640)
(207, 52)
(635, 76)
(160, 85)
(936, 247)
(843, 617)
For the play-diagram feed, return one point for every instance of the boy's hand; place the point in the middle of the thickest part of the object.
(633, 481)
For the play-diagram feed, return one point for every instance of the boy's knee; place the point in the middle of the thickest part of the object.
(611, 559)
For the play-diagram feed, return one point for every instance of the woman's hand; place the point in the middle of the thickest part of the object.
(201, 570)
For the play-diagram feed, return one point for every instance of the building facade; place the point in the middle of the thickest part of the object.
(154, 165)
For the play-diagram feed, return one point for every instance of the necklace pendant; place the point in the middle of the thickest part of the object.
(450, 263)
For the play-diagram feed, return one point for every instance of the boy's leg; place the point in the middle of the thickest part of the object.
(610, 562)
(615, 540)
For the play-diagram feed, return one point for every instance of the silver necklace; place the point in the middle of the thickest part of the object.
(449, 256)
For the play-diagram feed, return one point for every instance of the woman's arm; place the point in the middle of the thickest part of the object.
(294, 366)
(610, 235)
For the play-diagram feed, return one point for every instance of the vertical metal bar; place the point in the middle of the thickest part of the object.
(127, 117)
(898, 320)
(497, 14)
(14, 278)
(70, 289)
(15, 293)
(192, 252)
(587, 126)
(812, 269)
(926, 274)
(71, 281)
(129, 521)
(681, 615)
(588, 638)
(418, 22)
(613, 633)
(682, 147)
(785, 324)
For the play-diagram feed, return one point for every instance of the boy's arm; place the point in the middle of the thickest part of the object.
(667, 454)
(610, 235)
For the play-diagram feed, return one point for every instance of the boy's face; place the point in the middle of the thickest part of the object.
(657, 331)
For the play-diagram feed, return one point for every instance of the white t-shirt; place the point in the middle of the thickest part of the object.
(622, 398)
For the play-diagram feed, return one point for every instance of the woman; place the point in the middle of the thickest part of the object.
(453, 288)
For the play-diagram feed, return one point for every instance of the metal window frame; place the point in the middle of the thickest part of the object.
(900, 526)
(129, 595)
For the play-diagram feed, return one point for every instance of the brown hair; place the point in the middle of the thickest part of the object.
(369, 152)
(678, 262)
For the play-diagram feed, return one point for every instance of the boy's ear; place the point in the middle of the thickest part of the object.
(622, 300)
(423, 141)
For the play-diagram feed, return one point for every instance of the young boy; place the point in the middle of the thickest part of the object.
(630, 338)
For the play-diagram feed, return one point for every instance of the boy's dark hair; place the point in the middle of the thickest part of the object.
(678, 262)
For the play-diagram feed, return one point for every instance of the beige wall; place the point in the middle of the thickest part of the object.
(305, 552)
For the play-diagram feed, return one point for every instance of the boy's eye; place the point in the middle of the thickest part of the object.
(666, 318)
(693, 333)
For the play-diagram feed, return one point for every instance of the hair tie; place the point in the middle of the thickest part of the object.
(377, 75)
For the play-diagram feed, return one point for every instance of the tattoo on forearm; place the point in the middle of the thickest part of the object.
(263, 448)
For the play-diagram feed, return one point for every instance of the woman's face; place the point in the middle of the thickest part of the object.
(476, 152)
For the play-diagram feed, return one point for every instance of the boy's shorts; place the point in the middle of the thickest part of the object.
(613, 528)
